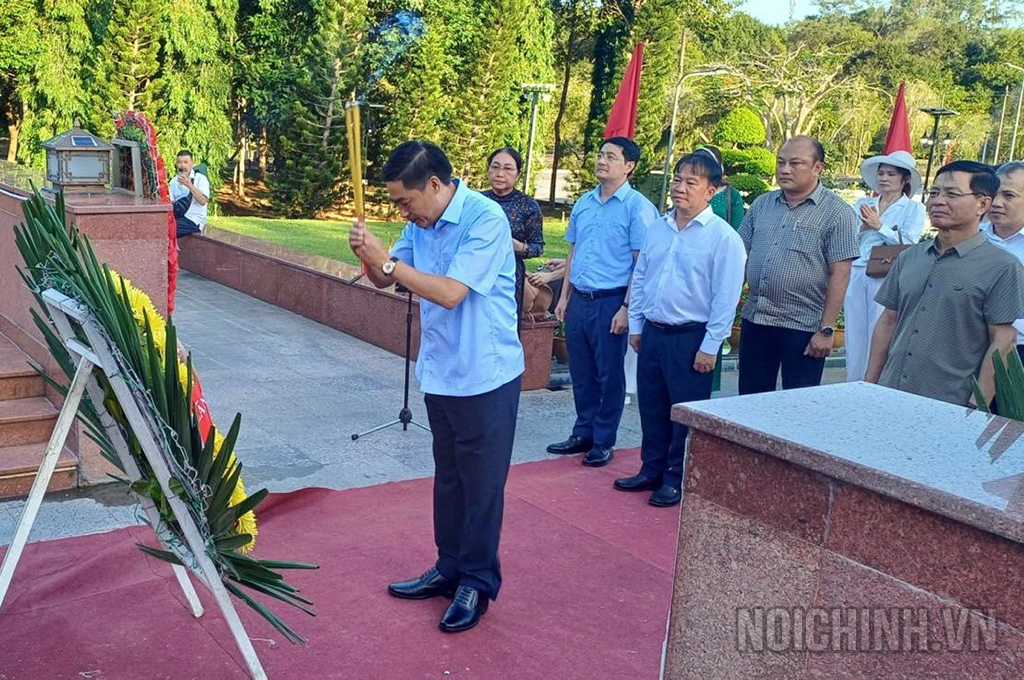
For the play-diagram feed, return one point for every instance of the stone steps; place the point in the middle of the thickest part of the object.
(27, 419)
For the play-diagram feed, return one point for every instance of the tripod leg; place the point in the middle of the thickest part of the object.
(422, 427)
(376, 429)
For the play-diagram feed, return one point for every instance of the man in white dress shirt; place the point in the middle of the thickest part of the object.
(1006, 228)
(687, 282)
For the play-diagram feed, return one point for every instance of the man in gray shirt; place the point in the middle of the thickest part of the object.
(801, 241)
(950, 302)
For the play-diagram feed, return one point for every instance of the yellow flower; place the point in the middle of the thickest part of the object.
(246, 524)
(142, 308)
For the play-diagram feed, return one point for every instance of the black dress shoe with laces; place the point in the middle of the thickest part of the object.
(465, 611)
(430, 584)
(666, 496)
(573, 444)
(637, 483)
(597, 457)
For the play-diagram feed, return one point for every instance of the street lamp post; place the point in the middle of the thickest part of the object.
(1016, 122)
(672, 128)
(535, 91)
(1002, 117)
(936, 112)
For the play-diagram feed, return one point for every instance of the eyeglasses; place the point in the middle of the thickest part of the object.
(951, 195)
(503, 168)
(608, 156)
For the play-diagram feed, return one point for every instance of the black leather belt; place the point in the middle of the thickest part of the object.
(691, 327)
(595, 294)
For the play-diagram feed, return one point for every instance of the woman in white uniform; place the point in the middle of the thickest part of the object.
(891, 217)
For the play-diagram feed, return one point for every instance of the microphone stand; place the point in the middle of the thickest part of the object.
(405, 415)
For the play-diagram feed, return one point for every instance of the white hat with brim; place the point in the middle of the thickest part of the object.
(897, 159)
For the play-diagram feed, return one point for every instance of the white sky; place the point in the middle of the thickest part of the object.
(776, 12)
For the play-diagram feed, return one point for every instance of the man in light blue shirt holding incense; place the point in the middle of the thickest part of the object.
(687, 283)
(606, 230)
(456, 255)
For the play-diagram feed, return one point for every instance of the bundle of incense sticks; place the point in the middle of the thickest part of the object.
(355, 155)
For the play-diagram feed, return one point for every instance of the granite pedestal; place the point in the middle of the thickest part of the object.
(848, 531)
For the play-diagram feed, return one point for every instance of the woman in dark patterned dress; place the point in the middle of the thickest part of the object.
(503, 169)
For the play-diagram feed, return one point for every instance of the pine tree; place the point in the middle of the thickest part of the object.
(460, 84)
(311, 163)
(128, 60)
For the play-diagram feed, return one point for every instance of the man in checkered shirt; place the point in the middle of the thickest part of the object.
(801, 241)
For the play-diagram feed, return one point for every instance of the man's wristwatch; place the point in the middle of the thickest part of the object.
(389, 266)
(827, 331)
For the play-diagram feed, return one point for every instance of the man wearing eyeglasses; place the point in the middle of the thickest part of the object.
(606, 229)
(950, 302)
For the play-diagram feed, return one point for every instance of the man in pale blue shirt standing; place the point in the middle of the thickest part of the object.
(456, 255)
(606, 229)
(686, 285)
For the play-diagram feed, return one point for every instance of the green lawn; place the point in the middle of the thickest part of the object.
(330, 238)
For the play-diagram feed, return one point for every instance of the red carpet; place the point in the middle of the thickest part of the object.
(587, 584)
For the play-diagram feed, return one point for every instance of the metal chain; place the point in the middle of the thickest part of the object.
(197, 493)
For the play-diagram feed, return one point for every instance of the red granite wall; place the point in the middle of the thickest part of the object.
(277, 276)
(127, 233)
(760, 532)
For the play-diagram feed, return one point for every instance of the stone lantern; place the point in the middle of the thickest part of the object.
(77, 161)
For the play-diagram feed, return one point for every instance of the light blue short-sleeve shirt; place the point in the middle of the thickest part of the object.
(605, 235)
(475, 347)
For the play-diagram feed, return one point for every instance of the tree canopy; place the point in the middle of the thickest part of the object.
(258, 88)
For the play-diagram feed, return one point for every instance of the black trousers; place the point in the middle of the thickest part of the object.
(472, 450)
(764, 348)
(665, 376)
(596, 366)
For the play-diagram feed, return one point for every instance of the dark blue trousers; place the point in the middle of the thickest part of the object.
(665, 376)
(596, 366)
(764, 348)
(185, 226)
(472, 450)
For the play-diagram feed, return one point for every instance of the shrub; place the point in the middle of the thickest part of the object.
(733, 161)
(749, 186)
(760, 162)
(742, 127)
(756, 160)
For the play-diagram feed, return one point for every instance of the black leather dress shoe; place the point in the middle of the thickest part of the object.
(573, 444)
(597, 457)
(431, 584)
(465, 611)
(637, 483)
(666, 496)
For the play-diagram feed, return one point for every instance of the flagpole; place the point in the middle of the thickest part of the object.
(672, 124)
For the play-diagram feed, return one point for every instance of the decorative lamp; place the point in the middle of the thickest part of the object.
(77, 161)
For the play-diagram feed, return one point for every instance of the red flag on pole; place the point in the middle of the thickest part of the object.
(622, 117)
(898, 138)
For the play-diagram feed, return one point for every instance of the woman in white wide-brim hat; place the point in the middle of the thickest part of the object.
(891, 217)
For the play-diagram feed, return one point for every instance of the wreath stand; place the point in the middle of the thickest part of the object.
(67, 315)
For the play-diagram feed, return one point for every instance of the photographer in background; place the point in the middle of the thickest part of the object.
(190, 196)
